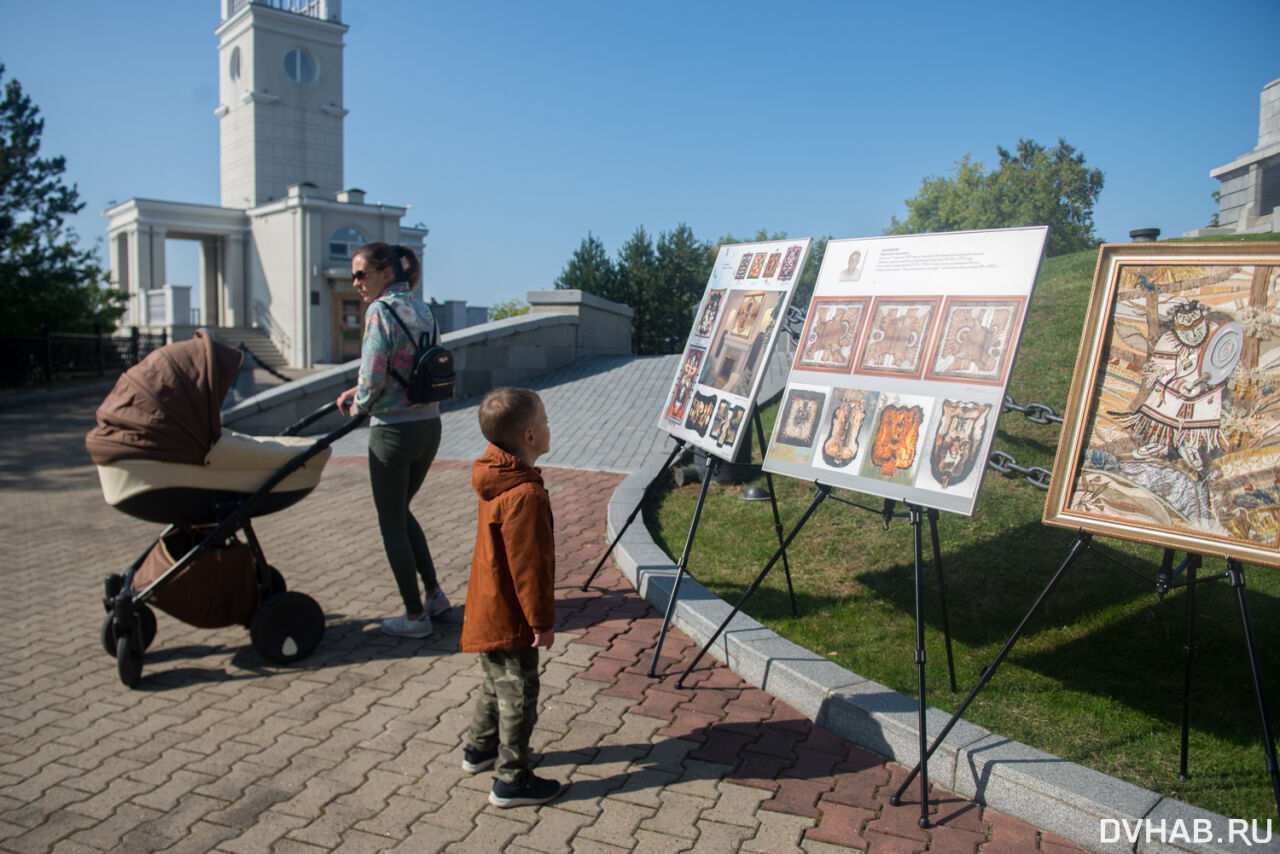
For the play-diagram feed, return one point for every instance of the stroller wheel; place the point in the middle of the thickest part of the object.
(287, 627)
(145, 615)
(128, 661)
(109, 635)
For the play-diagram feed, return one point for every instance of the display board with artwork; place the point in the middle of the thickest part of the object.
(1171, 431)
(901, 369)
(733, 335)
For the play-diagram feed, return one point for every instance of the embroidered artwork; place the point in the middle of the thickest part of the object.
(733, 423)
(799, 419)
(746, 326)
(975, 342)
(757, 265)
(957, 443)
(700, 412)
(897, 336)
(789, 263)
(748, 312)
(1181, 433)
(771, 266)
(743, 266)
(718, 421)
(845, 417)
(707, 320)
(893, 445)
(684, 385)
(831, 334)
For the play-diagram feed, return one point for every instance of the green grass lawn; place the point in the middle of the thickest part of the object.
(1098, 676)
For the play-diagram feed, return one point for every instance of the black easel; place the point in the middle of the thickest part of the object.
(644, 496)
(777, 519)
(1235, 573)
(713, 463)
(887, 513)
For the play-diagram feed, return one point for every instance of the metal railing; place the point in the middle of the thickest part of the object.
(264, 320)
(36, 359)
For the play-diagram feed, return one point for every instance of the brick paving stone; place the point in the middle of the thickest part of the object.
(616, 823)
(841, 825)
(678, 814)
(736, 804)
(358, 748)
(798, 797)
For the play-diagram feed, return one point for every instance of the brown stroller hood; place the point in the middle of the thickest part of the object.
(167, 407)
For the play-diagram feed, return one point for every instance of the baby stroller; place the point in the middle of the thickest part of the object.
(163, 456)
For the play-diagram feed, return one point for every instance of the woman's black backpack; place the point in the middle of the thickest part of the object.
(431, 376)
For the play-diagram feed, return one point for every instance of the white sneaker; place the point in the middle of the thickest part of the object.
(403, 627)
(438, 604)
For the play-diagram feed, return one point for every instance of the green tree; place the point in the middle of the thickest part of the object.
(684, 265)
(1031, 186)
(45, 279)
(636, 285)
(589, 269)
(507, 308)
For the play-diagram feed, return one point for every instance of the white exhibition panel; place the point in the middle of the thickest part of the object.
(901, 371)
(733, 335)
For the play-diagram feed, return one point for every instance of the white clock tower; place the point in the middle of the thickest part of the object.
(280, 95)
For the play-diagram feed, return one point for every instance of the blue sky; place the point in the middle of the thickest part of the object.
(514, 128)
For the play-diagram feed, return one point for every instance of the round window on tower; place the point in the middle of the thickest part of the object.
(299, 65)
(233, 66)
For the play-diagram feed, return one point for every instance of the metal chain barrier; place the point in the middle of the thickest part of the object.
(1038, 413)
(262, 364)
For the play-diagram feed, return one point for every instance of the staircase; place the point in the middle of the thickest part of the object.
(256, 340)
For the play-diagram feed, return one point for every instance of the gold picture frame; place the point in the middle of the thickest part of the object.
(1171, 435)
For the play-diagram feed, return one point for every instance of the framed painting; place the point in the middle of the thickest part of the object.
(1172, 431)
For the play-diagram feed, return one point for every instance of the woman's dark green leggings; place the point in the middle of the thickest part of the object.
(399, 456)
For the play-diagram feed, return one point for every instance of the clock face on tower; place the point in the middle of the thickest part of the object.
(300, 66)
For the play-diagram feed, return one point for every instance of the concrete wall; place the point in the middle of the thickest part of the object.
(560, 327)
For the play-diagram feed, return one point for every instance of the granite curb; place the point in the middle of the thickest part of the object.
(1053, 794)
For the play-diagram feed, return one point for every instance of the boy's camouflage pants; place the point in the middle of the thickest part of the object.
(507, 708)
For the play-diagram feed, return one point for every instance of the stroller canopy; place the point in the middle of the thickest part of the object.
(167, 407)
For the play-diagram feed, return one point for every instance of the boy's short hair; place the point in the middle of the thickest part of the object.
(505, 413)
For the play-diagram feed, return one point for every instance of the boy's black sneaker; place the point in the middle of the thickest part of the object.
(475, 760)
(527, 790)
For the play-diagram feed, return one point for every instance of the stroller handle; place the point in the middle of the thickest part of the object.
(309, 419)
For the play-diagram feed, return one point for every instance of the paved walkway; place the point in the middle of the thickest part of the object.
(359, 749)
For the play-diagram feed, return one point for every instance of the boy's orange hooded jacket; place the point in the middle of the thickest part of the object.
(512, 590)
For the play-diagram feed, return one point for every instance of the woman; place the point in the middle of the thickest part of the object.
(404, 436)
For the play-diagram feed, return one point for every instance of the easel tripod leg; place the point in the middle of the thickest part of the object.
(777, 519)
(1236, 572)
(713, 464)
(1188, 654)
(823, 491)
(942, 595)
(1081, 543)
(916, 521)
(634, 513)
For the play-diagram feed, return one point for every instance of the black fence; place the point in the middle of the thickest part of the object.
(38, 359)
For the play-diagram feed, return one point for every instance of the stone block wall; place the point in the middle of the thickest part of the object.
(560, 327)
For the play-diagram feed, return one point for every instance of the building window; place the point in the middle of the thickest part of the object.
(299, 65)
(234, 65)
(345, 241)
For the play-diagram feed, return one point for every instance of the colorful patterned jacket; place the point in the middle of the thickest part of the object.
(385, 345)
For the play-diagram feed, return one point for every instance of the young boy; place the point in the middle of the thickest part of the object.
(511, 608)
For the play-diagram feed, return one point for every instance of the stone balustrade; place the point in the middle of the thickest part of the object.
(560, 327)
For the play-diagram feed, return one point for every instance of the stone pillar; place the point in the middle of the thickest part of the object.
(231, 286)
